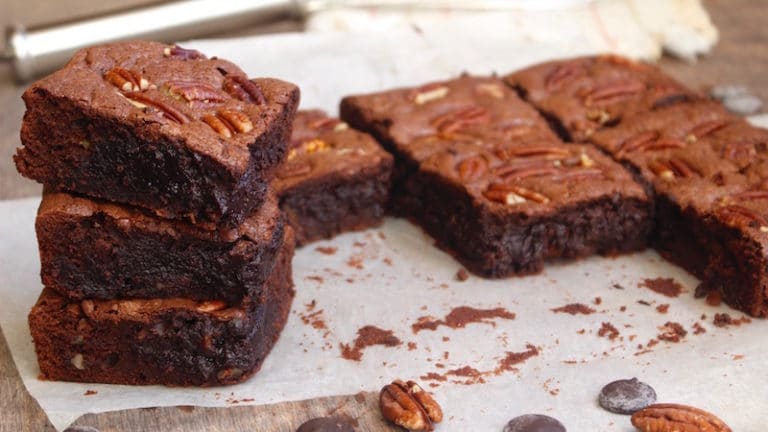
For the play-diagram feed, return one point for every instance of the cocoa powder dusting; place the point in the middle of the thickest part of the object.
(574, 309)
(512, 358)
(460, 316)
(608, 330)
(368, 336)
(664, 286)
(433, 376)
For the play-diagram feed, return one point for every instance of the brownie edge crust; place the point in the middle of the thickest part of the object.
(174, 342)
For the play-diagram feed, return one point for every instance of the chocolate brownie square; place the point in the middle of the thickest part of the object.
(175, 342)
(482, 172)
(92, 249)
(585, 94)
(336, 179)
(159, 127)
(706, 168)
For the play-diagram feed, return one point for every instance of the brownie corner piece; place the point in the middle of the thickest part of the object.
(336, 179)
(157, 126)
(92, 249)
(173, 342)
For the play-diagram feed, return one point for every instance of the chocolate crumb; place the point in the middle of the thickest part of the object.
(714, 298)
(326, 250)
(368, 336)
(672, 332)
(662, 308)
(462, 275)
(725, 320)
(664, 286)
(574, 309)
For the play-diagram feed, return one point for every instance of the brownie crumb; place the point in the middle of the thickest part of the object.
(462, 275)
(724, 320)
(672, 332)
(608, 330)
(698, 329)
(664, 286)
(574, 309)
(617, 286)
(662, 308)
(598, 301)
(90, 393)
(460, 316)
(368, 336)
(714, 298)
(326, 250)
(411, 346)
(643, 302)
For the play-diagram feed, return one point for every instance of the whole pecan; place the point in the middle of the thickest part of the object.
(194, 91)
(407, 405)
(126, 80)
(456, 120)
(677, 418)
(562, 74)
(512, 195)
(708, 127)
(613, 92)
(228, 122)
(472, 167)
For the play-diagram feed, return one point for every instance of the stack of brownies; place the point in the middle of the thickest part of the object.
(165, 257)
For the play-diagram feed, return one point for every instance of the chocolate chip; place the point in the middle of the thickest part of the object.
(326, 424)
(534, 423)
(626, 396)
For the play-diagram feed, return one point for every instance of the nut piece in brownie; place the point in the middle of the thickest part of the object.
(707, 170)
(176, 342)
(482, 173)
(336, 179)
(157, 126)
(91, 249)
(585, 94)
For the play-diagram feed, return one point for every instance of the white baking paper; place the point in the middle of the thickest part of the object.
(392, 276)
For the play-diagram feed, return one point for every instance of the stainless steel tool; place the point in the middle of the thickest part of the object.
(36, 51)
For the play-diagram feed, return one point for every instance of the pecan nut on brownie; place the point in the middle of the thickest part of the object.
(92, 249)
(482, 172)
(336, 179)
(707, 170)
(176, 342)
(157, 126)
(585, 94)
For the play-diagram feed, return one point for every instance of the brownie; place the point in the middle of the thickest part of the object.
(336, 179)
(92, 249)
(707, 171)
(175, 342)
(160, 127)
(481, 171)
(585, 94)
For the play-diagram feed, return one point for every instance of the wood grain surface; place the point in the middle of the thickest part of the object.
(740, 58)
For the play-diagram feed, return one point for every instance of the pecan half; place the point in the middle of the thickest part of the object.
(669, 169)
(183, 53)
(244, 89)
(126, 80)
(613, 92)
(516, 172)
(428, 93)
(706, 128)
(472, 168)
(142, 100)
(511, 195)
(228, 122)
(740, 216)
(407, 405)
(455, 121)
(194, 91)
(677, 418)
(562, 74)
(544, 151)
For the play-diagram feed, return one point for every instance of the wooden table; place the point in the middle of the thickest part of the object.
(740, 58)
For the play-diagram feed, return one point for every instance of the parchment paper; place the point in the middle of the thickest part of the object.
(392, 276)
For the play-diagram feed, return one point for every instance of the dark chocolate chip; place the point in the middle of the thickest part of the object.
(626, 396)
(534, 423)
(326, 424)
